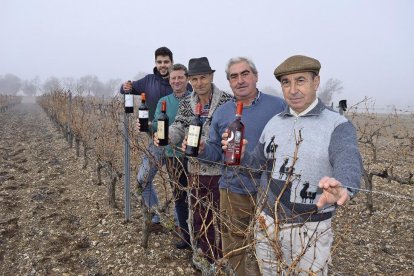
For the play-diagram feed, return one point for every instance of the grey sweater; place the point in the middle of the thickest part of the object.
(326, 145)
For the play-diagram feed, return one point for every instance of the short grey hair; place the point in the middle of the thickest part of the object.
(238, 60)
(177, 67)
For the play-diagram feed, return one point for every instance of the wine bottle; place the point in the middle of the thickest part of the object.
(129, 100)
(143, 114)
(235, 139)
(194, 133)
(162, 125)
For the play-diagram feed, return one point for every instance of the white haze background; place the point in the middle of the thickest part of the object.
(366, 44)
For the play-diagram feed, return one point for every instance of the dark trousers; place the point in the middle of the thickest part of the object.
(177, 171)
(205, 201)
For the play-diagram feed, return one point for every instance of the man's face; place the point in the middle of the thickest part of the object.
(242, 81)
(178, 81)
(299, 89)
(163, 63)
(201, 83)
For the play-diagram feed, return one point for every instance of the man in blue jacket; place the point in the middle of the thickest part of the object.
(238, 192)
(155, 86)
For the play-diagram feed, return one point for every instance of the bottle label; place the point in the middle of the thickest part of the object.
(143, 114)
(234, 141)
(129, 100)
(160, 130)
(193, 134)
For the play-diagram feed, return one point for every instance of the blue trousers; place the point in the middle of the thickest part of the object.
(146, 174)
(176, 170)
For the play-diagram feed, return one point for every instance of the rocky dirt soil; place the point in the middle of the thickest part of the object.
(54, 218)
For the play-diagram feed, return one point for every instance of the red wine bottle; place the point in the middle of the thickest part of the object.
(235, 139)
(162, 125)
(194, 134)
(129, 100)
(143, 114)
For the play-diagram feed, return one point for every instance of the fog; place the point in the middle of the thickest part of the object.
(367, 45)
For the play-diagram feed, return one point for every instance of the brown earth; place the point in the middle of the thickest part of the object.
(54, 218)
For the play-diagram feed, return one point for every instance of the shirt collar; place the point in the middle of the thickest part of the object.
(306, 111)
(183, 96)
(255, 100)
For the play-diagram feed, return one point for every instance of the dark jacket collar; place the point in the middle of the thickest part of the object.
(164, 81)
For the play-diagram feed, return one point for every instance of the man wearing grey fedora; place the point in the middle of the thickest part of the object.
(203, 178)
(312, 164)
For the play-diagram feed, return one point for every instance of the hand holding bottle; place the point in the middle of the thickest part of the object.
(200, 148)
(127, 86)
(162, 126)
(128, 98)
(194, 133)
(224, 143)
(143, 114)
(235, 134)
(138, 126)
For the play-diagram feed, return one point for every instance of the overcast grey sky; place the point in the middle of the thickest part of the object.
(367, 44)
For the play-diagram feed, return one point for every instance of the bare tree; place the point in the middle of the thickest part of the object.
(271, 91)
(10, 84)
(91, 85)
(327, 91)
(52, 84)
(111, 87)
(30, 87)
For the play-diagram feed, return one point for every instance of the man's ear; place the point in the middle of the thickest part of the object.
(316, 82)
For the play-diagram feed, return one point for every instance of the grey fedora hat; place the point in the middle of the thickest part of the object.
(199, 66)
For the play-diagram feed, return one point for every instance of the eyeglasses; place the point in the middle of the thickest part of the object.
(243, 75)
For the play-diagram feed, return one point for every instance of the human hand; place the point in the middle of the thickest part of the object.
(224, 143)
(184, 144)
(156, 141)
(127, 86)
(137, 125)
(201, 146)
(333, 192)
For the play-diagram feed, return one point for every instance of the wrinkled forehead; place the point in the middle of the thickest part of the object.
(294, 76)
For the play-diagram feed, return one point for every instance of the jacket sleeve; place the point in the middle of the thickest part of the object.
(138, 86)
(345, 157)
(212, 150)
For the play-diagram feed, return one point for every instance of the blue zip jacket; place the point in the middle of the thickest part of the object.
(154, 86)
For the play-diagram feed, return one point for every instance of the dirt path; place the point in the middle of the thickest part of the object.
(53, 217)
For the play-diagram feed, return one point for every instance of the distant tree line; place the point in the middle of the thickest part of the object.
(88, 85)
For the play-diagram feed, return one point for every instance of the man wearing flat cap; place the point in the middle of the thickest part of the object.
(203, 177)
(312, 165)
